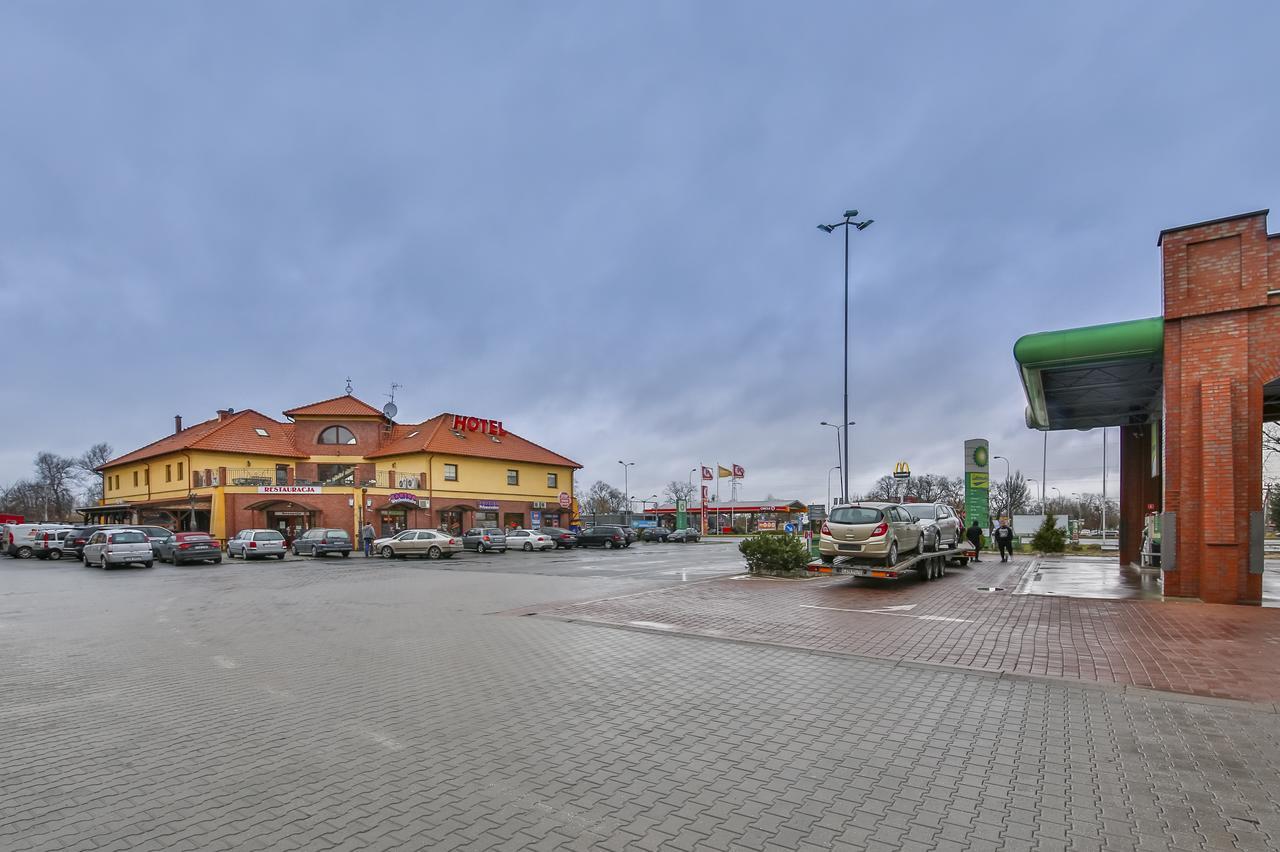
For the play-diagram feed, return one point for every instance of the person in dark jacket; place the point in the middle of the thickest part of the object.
(974, 534)
(1004, 540)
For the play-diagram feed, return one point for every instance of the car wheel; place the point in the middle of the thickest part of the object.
(85, 560)
(346, 553)
(479, 547)
(942, 567)
(608, 545)
(23, 552)
(388, 553)
(528, 546)
(827, 560)
(280, 556)
(55, 554)
(433, 552)
(892, 558)
(149, 563)
(218, 561)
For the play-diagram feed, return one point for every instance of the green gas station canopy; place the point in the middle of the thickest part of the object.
(1101, 375)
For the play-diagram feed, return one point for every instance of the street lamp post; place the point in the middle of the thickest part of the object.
(1031, 479)
(829, 472)
(1008, 477)
(626, 487)
(846, 224)
(841, 461)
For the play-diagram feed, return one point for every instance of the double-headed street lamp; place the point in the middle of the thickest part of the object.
(626, 487)
(841, 461)
(849, 216)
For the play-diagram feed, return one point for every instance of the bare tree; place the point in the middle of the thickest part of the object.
(951, 492)
(1270, 439)
(87, 465)
(603, 498)
(885, 489)
(55, 475)
(677, 490)
(1010, 497)
(24, 498)
(926, 487)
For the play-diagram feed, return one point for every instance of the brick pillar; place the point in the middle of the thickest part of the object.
(1135, 490)
(1222, 343)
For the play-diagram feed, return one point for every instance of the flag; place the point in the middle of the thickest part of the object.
(738, 472)
(705, 492)
(706, 473)
(722, 471)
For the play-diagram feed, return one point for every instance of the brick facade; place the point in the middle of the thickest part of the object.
(1221, 283)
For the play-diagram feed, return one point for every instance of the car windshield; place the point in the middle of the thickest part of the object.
(195, 537)
(494, 531)
(127, 538)
(921, 511)
(270, 535)
(338, 534)
(855, 515)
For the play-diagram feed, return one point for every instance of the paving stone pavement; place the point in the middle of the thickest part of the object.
(384, 706)
(1178, 646)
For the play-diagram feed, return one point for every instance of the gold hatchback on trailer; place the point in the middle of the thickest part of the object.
(872, 531)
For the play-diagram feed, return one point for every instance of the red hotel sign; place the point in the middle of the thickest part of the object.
(477, 424)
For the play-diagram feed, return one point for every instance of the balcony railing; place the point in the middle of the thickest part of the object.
(251, 476)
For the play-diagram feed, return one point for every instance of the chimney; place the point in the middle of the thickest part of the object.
(224, 413)
(177, 423)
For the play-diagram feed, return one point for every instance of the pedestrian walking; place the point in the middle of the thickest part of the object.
(1004, 540)
(974, 534)
(367, 534)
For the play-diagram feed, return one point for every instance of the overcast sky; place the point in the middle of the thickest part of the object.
(596, 221)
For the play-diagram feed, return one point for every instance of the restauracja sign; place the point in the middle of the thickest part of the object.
(477, 424)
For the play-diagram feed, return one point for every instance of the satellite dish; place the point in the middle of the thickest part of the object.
(390, 410)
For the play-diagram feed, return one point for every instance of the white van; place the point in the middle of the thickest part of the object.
(20, 539)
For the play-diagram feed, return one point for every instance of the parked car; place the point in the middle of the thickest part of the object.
(258, 544)
(79, 537)
(118, 547)
(878, 531)
(431, 544)
(685, 535)
(631, 533)
(481, 539)
(938, 523)
(154, 535)
(529, 540)
(655, 534)
(20, 539)
(607, 537)
(49, 544)
(184, 547)
(320, 541)
(562, 537)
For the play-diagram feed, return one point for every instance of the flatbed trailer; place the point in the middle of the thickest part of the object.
(927, 566)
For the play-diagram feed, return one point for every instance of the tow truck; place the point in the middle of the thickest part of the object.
(927, 565)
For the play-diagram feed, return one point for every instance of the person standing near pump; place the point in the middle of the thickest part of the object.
(367, 534)
(1004, 540)
(974, 534)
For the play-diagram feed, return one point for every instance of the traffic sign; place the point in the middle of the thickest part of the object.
(565, 500)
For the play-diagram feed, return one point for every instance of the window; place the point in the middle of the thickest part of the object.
(106, 483)
(168, 473)
(135, 479)
(282, 474)
(513, 477)
(146, 478)
(336, 435)
(117, 482)
(451, 473)
(262, 433)
(180, 471)
(553, 480)
(336, 474)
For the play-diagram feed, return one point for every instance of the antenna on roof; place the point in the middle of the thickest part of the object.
(348, 386)
(394, 387)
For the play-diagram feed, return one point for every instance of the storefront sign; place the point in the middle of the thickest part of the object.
(767, 526)
(403, 497)
(682, 514)
(487, 505)
(478, 424)
(535, 520)
(290, 489)
(565, 500)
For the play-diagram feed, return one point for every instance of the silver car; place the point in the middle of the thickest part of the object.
(256, 544)
(118, 547)
(481, 539)
(938, 523)
(530, 540)
(431, 544)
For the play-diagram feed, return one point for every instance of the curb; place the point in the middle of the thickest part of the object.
(1123, 690)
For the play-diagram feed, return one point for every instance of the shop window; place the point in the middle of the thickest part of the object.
(336, 435)
(336, 474)
(513, 477)
(135, 479)
(553, 480)
(180, 471)
(451, 473)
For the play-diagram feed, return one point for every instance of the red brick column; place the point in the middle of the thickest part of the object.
(1222, 343)
(1139, 489)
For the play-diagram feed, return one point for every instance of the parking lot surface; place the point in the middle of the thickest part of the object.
(364, 704)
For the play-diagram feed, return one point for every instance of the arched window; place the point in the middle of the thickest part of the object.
(336, 435)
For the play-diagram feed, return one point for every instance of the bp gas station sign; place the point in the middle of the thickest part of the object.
(977, 480)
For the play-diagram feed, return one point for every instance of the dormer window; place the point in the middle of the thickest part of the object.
(412, 434)
(262, 433)
(336, 435)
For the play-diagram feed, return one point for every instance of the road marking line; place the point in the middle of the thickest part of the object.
(886, 612)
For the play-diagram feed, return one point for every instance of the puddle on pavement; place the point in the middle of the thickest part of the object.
(1105, 579)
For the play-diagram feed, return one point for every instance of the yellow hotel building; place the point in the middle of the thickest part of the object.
(337, 463)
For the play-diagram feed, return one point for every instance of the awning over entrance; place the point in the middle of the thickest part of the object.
(1100, 375)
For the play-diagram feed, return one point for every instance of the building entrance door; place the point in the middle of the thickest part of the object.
(392, 521)
(290, 523)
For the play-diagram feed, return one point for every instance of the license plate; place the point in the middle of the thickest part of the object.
(850, 547)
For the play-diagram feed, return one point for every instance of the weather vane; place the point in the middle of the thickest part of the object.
(348, 386)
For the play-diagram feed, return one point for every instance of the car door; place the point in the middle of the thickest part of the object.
(414, 543)
(910, 533)
(948, 526)
(167, 547)
(93, 547)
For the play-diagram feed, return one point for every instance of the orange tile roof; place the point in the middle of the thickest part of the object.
(232, 434)
(340, 406)
(433, 436)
